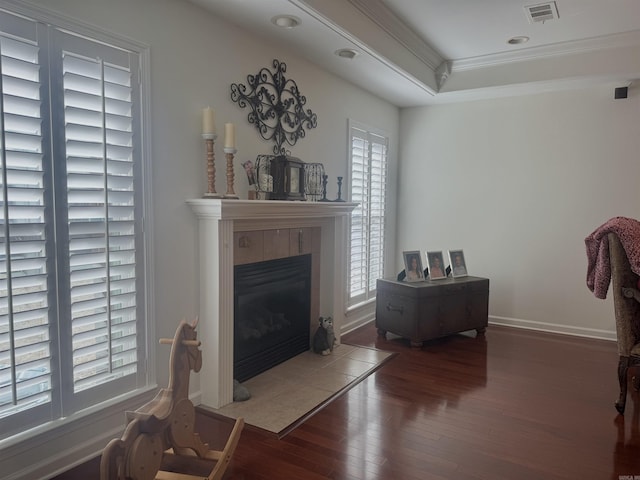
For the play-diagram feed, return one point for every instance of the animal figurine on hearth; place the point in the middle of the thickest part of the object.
(324, 339)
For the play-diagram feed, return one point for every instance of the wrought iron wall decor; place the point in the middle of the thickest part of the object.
(277, 107)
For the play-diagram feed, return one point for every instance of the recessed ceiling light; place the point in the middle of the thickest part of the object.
(349, 53)
(286, 21)
(517, 40)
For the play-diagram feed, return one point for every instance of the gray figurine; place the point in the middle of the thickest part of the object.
(324, 339)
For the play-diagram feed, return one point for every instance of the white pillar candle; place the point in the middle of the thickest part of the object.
(229, 135)
(208, 121)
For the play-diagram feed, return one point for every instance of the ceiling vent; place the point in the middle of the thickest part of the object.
(542, 12)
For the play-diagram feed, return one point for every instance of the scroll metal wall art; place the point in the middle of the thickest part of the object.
(277, 107)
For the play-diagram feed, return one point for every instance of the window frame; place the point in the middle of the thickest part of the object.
(82, 415)
(369, 294)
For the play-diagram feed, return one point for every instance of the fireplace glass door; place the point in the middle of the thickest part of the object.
(272, 309)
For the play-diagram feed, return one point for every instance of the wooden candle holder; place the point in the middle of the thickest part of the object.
(229, 154)
(209, 139)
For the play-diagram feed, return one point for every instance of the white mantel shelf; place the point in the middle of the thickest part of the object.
(217, 221)
(251, 209)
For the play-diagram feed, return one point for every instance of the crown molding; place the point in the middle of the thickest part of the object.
(379, 13)
(621, 40)
(304, 6)
(442, 73)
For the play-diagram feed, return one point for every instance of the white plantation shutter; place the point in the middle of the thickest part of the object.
(368, 180)
(359, 234)
(377, 197)
(25, 239)
(71, 238)
(101, 213)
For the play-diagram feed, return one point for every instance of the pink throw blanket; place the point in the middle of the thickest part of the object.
(599, 264)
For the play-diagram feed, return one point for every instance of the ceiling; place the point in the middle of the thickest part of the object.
(420, 52)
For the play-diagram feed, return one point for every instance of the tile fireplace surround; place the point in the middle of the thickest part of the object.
(217, 221)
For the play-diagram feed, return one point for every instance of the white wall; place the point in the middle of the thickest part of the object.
(518, 183)
(195, 57)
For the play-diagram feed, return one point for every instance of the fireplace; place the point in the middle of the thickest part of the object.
(272, 302)
(218, 222)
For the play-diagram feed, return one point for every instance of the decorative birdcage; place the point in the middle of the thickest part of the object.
(264, 180)
(313, 173)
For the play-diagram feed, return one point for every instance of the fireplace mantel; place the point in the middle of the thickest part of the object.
(217, 220)
(256, 209)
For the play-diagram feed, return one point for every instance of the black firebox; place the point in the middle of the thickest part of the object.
(272, 309)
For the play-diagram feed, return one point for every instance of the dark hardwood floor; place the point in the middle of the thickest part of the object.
(510, 405)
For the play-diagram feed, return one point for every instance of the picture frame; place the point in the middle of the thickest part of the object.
(413, 266)
(251, 172)
(435, 262)
(458, 263)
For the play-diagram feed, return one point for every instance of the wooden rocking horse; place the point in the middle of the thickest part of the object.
(162, 430)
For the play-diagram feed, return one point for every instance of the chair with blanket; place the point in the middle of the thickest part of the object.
(626, 300)
(613, 254)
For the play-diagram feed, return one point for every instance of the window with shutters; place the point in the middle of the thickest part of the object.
(72, 312)
(368, 168)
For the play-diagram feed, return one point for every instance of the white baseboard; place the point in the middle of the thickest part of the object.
(358, 316)
(553, 328)
(356, 323)
(360, 320)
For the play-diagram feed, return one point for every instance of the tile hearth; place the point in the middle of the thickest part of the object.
(288, 391)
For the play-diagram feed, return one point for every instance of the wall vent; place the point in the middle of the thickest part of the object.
(542, 12)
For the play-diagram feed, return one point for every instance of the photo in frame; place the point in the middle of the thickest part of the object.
(435, 262)
(413, 266)
(458, 263)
